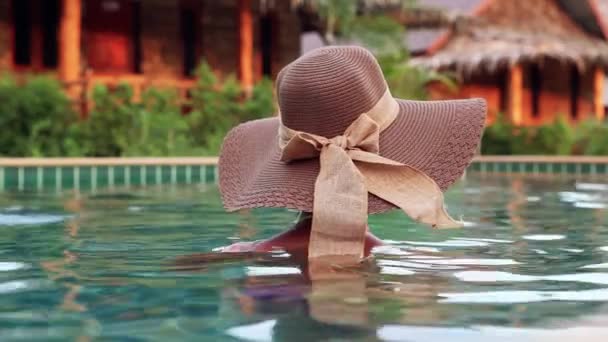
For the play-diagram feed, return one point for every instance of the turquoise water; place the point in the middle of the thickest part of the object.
(532, 264)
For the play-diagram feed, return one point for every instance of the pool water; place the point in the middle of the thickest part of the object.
(531, 264)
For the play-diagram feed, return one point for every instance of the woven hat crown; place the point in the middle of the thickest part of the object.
(324, 91)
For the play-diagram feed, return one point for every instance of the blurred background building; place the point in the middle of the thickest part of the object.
(532, 60)
(146, 42)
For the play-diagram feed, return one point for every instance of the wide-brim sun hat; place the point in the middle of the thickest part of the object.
(322, 94)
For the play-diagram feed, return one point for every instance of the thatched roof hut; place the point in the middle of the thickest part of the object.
(512, 32)
(534, 60)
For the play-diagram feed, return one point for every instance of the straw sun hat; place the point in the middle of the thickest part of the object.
(340, 134)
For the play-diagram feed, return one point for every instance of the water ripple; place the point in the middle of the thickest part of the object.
(395, 333)
(513, 297)
(12, 266)
(543, 237)
(260, 271)
(448, 243)
(29, 219)
(506, 277)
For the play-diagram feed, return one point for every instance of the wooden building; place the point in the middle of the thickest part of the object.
(532, 60)
(146, 42)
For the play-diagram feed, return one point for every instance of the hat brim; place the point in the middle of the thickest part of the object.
(439, 138)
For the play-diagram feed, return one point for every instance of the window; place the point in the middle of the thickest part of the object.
(575, 83)
(22, 23)
(267, 32)
(50, 23)
(136, 38)
(36, 24)
(503, 84)
(189, 40)
(536, 86)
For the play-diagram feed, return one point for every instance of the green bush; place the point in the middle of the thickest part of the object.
(120, 126)
(37, 120)
(557, 138)
(34, 115)
(159, 128)
(408, 81)
(108, 127)
(218, 106)
(591, 138)
(499, 138)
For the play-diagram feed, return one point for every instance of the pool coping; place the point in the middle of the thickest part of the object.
(50, 162)
(542, 159)
(94, 173)
(541, 165)
(33, 162)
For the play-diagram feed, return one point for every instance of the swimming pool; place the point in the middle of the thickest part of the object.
(531, 264)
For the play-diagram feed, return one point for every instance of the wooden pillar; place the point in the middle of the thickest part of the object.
(515, 94)
(69, 45)
(245, 45)
(598, 93)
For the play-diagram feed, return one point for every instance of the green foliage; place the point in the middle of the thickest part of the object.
(334, 12)
(380, 34)
(409, 81)
(36, 118)
(341, 14)
(120, 126)
(34, 115)
(159, 127)
(591, 138)
(384, 37)
(219, 106)
(500, 138)
(556, 138)
(109, 124)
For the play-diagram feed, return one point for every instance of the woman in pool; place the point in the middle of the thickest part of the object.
(343, 147)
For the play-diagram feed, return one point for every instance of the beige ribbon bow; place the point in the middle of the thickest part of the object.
(350, 167)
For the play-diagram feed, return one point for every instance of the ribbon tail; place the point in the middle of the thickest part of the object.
(408, 188)
(339, 210)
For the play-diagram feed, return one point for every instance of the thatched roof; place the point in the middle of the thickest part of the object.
(490, 47)
(510, 32)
